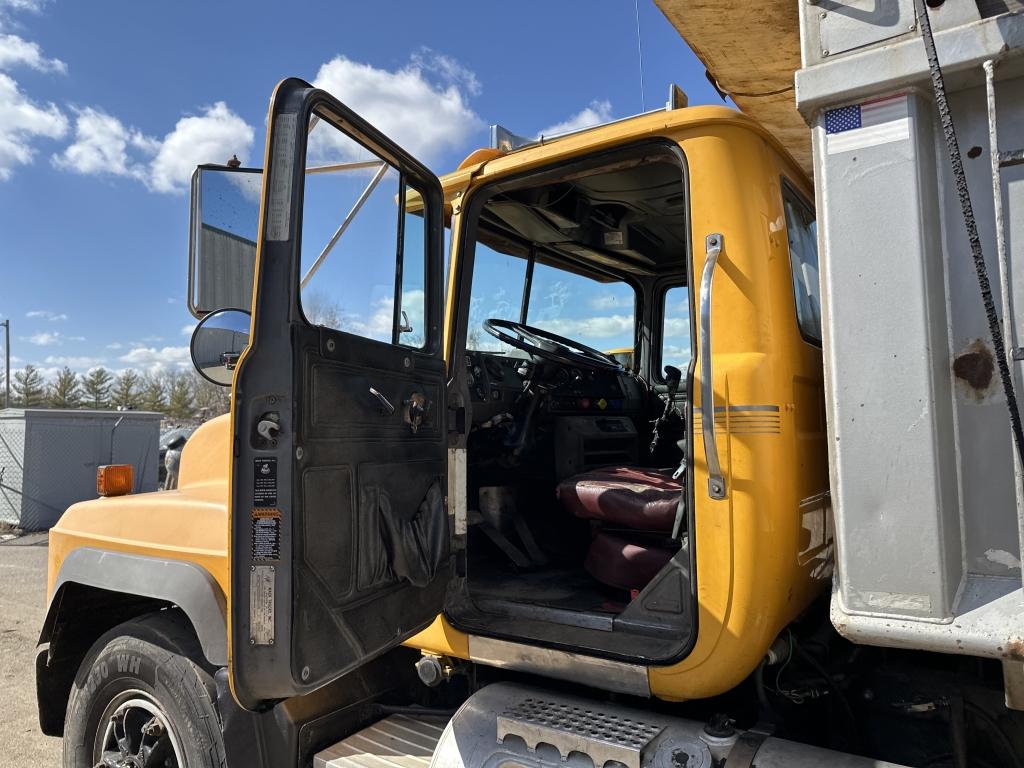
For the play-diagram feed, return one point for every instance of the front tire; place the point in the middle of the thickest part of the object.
(144, 698)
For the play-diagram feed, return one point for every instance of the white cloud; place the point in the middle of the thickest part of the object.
(677, 326)
(102, 144)
(607, 301)
(604, 327)
(16, 51)
(186, 330)
(23, 5)
(381, 317)
(598, 112)
(105, 145)
(153, 359)
(448, 68)
(115, 345)
(46, 314)
(422, 106)
(43, 338)
(50, 338)
(77, 362)
(212, 137)
(22, 121)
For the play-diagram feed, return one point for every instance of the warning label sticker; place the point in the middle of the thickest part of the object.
(264, 483)
(266, 534)
(261, 605)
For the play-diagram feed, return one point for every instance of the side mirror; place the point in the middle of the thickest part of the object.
(217, 343)
(223, 221)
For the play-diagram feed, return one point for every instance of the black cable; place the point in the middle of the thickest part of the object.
(963, 193)
(996, 729)
(844, 703)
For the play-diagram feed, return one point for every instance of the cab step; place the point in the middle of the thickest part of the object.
(397, 741)
(507, 723)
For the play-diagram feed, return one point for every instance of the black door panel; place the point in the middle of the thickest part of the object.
(339, 533)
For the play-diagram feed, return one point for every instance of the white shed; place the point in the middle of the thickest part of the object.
(48, 458)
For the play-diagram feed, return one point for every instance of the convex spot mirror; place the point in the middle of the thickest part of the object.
(217, 343)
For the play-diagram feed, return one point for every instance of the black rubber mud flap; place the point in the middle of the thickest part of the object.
(339, 543)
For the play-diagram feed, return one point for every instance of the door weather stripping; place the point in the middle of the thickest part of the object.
(716, 483)
(344, 224)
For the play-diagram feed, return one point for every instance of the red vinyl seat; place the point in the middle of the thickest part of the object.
(625, 500)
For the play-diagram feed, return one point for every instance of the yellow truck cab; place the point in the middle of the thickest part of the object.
(428, 485)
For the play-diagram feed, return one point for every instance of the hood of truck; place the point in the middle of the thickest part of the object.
(189, 523)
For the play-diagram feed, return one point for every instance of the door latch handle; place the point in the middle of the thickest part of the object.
(415, 409)
(268, 429)
(385, 404)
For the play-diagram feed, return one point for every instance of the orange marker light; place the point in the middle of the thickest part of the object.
(115, 479)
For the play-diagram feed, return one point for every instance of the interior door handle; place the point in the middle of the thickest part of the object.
(385, 404)
(716, 483)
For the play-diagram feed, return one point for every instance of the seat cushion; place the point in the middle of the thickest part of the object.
(623, 564)
(630, 497)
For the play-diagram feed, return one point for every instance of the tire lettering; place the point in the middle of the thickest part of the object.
(128, 662)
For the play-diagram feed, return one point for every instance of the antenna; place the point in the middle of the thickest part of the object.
(640, 54)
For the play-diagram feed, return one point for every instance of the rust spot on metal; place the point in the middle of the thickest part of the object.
(974, 369)
(1015, 649)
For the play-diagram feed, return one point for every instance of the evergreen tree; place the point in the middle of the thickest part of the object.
(153, 393)
(96, 384)
(127, 391)
(66, 392)
(180, 402)
(29, 387)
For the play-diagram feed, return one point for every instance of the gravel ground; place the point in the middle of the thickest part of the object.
(22, 608)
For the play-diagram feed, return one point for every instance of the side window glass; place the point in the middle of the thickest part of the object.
(803, 255)
(675, 329)
(363, 254)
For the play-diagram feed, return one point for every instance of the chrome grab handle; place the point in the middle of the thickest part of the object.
(716, 483)
(385, 405)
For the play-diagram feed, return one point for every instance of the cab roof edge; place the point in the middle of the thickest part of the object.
(504, 140)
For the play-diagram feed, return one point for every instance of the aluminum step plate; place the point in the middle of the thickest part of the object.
(596, 732)
(397, 741)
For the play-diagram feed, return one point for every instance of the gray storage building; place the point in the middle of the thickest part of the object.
(48, 458)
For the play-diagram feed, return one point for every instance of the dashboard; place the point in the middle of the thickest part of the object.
(496, 381)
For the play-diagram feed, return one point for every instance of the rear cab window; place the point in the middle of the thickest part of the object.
(802, 233)
(676, 347)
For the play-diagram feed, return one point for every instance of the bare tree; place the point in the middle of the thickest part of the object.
(210, 399)
(320, 309)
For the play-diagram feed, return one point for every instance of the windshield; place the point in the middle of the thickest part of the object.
(598, 313)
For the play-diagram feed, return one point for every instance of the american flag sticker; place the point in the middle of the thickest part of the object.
(858, 126)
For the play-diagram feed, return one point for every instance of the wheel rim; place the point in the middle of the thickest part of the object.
(134, 732)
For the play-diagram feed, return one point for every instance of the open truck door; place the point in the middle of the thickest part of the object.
(339, 540)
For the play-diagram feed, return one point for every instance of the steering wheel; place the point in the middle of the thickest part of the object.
(550, 346)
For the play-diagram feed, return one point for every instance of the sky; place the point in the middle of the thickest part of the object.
(107, 106)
